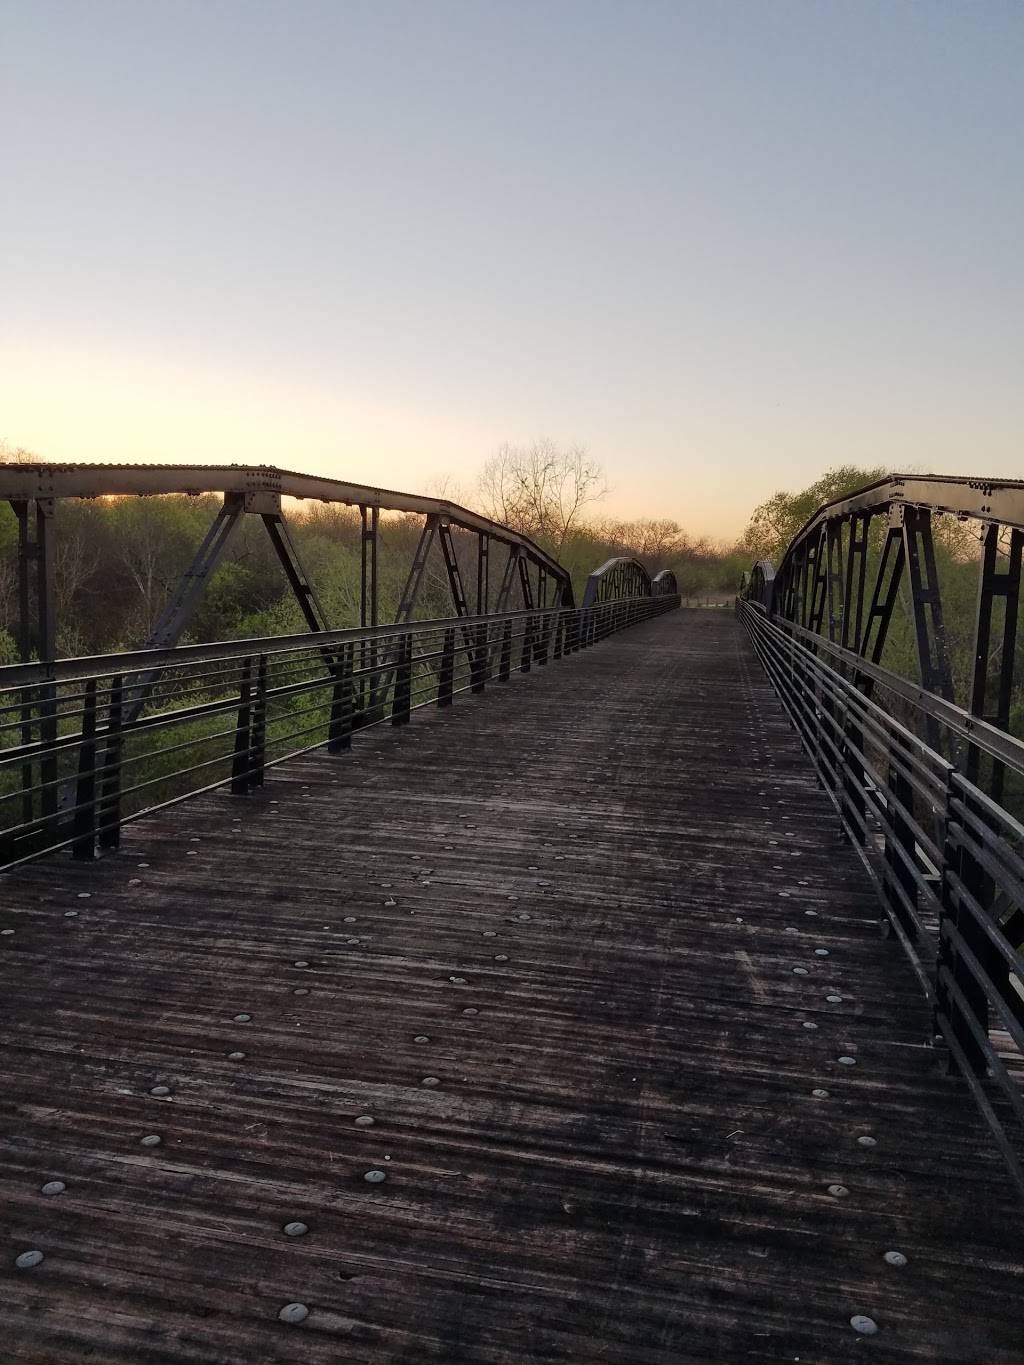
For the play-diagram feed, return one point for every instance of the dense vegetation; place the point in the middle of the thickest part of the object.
(118, 560)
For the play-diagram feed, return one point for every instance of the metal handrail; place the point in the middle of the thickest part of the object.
(946, 859)
(99, 742)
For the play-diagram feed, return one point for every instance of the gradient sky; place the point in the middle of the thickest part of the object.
(724, 245)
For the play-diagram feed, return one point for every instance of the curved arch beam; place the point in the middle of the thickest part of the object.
(622, 576)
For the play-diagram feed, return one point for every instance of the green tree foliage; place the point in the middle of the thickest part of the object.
(775, 522)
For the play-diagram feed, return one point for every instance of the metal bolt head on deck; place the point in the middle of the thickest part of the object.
(242, 1018)
(374, 1177)
(867, 1327)
(295, 1229)
(364, 1121)
(53, 1187)
(838, 1191)
(422, 1038)
(895, 1258)
(294, 1312)
(151, 1140)
(847, 1061)
(160, 1090)
(28, 1259)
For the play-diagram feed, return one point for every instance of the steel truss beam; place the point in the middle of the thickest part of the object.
(837, 582)
(622, 576)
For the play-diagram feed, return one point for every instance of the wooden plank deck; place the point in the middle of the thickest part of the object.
(565, 945)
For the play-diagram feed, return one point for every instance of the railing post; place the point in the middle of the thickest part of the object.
(900, 836)
(524, 661)
(505, 663)
(478, 660)
(852, 793)
(401, 705)
(559, 634)
(84, 823)
(446, 675)
(243, 734)
(109, 819)
(545, 639)
(957, 919)
(339, 733)
(258, 747)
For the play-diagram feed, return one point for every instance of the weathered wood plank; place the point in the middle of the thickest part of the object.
(621, 860)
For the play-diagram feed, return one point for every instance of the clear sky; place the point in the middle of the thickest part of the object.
(724, 245)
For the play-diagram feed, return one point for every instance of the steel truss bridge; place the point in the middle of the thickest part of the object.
(367, 999)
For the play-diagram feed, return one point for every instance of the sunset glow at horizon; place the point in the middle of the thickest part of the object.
(723, 245)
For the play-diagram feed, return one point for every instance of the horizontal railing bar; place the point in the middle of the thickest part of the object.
(13, 676)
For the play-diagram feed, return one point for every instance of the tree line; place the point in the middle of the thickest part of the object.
(118, 560)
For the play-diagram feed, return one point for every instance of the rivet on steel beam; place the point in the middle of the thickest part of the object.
(294, 1312)
(53, 1187)
(28, 1259)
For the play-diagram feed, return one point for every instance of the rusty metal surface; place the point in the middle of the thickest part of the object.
(254, 482)
(595, 906)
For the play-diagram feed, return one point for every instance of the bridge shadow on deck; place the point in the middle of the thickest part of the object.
(587, 951)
